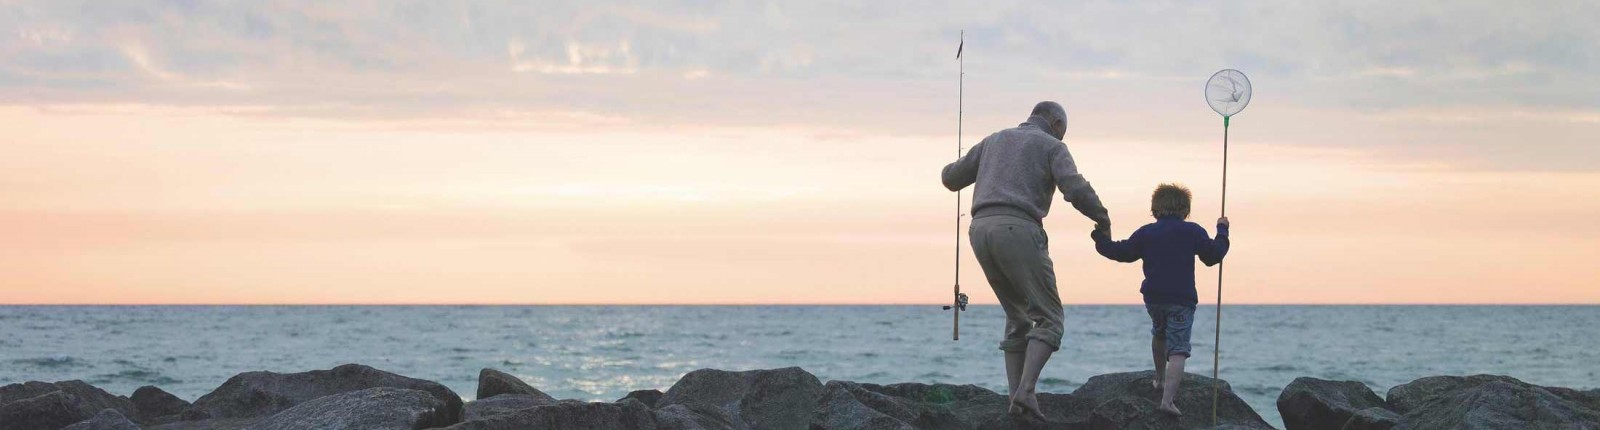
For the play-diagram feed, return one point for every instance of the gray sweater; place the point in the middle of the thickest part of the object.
(1018, 169)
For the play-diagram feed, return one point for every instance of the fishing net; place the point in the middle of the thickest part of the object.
(1228, 92)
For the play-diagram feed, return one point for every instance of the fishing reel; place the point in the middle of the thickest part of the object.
(961, 302)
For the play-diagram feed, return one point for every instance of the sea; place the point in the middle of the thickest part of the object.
(603, 352)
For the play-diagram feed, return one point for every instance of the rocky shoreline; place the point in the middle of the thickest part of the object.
(354, 396)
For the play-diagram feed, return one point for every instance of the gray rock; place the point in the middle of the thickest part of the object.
(844, 406)
(262, 394)
(49, 411)
(380, 408)
(1487, 402)
(648, 397)
(88, 399)
(213, 424)
(108, 419)
(1127, 401)
(152, 403)
(494, 382)
(628, 415)
(1317, 404)
(695, 417)
(1375, 418)
(26, 390)
(501, 404)
(779, 399)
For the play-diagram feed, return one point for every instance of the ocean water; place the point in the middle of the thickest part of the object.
(602, 352)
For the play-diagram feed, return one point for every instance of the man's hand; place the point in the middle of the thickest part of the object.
(1222, 221)
(1102, 228)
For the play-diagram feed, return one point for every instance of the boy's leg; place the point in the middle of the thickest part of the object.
(1158, 351)
(1169, 390)
(1179, 322)
(1158, 343)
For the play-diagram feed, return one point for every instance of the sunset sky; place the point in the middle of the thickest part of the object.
(777, 152)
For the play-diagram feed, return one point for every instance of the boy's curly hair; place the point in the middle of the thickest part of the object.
(1170, 200)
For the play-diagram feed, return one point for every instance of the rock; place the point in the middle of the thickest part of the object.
(26, 390)
(1126, 401)
(108, 419)
(152, 403)
(504, 403)
(696, 416)
(262, 394)
(49, 411)
(779, 399)
(628, 415)
(88, 399)
(844, 406)
(1316, 404)
(380, 408)
(648, 397)
(1488, 402)
(212, 424)
(494, 382)
(1375, 418)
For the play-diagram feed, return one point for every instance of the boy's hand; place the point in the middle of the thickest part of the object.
(1222, 221)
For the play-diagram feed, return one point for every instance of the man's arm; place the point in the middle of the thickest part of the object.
(1126, 251)
(1211, 250)
(964, 171)
(1076, 190)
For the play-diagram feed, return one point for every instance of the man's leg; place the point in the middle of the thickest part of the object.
(983, 235)
(1026, 400)
(1169, 391)
(1014, 363)
(1158, 351)
(1028, 265)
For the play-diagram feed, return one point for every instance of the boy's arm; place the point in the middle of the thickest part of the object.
(1076, 190)
(963, 171)
(1126, 251)
(1211, 250)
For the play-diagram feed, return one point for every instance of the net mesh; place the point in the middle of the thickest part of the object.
(1228, 91)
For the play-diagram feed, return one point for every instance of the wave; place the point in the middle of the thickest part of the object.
(50, 362)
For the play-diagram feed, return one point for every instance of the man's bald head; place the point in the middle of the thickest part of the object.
(1053, 114)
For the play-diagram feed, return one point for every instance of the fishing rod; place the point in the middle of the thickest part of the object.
(960, 303)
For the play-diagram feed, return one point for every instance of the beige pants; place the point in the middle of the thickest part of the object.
(1015, 256)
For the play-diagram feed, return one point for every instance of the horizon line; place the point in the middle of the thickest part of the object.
(420, 304)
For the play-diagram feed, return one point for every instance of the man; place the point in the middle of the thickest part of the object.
(1016, 171)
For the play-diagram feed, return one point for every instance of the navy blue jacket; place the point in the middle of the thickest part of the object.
(1168, 248)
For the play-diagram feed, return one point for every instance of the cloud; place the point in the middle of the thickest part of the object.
(877, 67)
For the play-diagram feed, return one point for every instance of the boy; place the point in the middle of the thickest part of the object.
(1168, 248)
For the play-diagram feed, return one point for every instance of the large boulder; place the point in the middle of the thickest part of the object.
(212, 424)
(494, 382)
(1317, 404)
(1489, 402)
(108, 419)
(695, 416)
(45, 405)
(648, 397)
(570, 415)
(49, 411)
(779, 399)
(848, 405)
(381, 408)
(501, 404)
(1127, 401)
(262, 394)
(155, 405)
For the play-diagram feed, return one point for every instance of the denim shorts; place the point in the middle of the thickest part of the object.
(1172, 323)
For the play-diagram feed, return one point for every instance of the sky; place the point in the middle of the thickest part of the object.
(747, 152)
